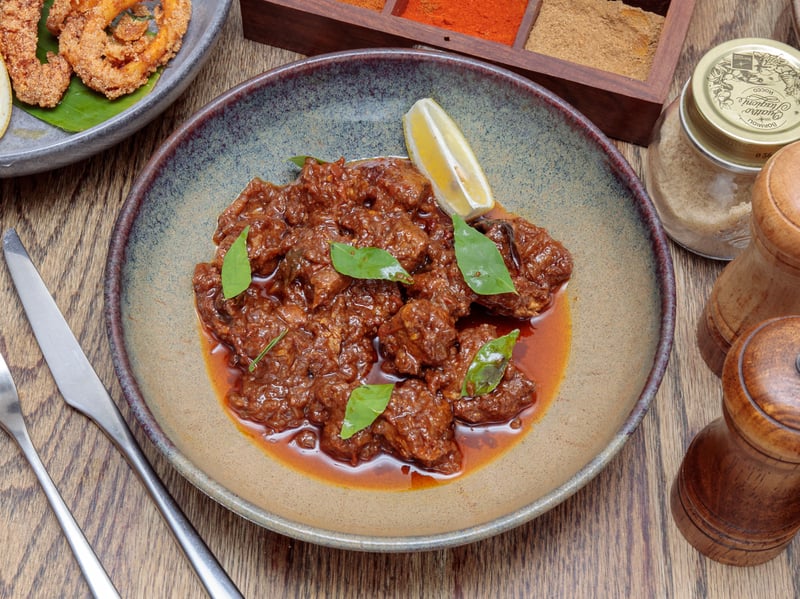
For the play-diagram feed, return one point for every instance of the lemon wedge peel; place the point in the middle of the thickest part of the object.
(441, 152)
(6, 98)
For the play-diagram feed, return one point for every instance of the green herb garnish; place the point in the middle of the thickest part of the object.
(364, 405)
(252, 366)
(479, 260)
(489, 365)
(367, 263)
(236, 274)
(301, 160)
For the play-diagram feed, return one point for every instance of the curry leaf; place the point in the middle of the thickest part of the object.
(489, 365)
(364, 405)
(367, 263)
(252, 366)
(301, 160)
(236, 274)
(479, 260)
(81, 108)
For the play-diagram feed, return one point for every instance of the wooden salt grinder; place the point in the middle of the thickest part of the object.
(736, 497)
(764, 280)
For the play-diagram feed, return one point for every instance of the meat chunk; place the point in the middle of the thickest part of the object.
(273, 402)
(419, 334)
(514, 393)
(323, 192)
(441, 282)
(417, 425)
(260, 206)
(394, 232)
(538, 265)
(328, 411)
(307, 261)
(207, 284)
(397, 185)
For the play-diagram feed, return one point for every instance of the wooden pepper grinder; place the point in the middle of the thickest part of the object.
(764, 280)
(736, 497)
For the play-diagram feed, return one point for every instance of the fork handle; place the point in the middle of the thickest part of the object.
(94, 573)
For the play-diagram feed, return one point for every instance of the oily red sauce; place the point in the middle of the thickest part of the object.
(541, 353)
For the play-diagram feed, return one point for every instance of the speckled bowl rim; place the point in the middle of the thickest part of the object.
(143, 415)
(84, 144)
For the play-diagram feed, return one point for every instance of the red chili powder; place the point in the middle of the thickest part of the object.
(495, 20)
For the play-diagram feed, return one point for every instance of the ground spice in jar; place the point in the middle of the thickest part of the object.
(607, 35)
(370, 4)
(709, 211)
(740, 106)
(494, 20)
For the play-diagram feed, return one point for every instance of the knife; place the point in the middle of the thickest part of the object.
(83, 390)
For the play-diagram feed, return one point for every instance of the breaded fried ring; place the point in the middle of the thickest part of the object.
(130, 29)
(61, 9)
(85, 44)
(34, 83)
(130, 38)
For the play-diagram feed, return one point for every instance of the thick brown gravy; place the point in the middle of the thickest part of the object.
(541, 353)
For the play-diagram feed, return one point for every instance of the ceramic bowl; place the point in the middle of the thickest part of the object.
(32, 146)
(545, 161)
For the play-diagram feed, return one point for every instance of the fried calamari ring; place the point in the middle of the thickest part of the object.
(34, 83)
(96, 57)
(61, 9)
(130, 36)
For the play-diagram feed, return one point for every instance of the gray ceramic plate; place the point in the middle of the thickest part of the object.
(32, 146)
(544, 160)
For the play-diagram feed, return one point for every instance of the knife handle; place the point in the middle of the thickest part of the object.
(211, 574)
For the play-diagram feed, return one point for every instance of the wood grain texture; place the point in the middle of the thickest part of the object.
(613, 538)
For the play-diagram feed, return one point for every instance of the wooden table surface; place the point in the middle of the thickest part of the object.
(614, 538)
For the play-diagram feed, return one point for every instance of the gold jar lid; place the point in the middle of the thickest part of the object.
(742, 103)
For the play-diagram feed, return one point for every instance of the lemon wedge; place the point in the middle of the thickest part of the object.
(5, 98)
(438, 148)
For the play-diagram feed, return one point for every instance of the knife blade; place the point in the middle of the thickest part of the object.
(82, 389)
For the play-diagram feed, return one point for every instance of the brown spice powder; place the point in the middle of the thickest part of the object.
(605, 34)
(702, 207)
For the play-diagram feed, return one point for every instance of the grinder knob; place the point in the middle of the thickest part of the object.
(736, 497)
(764, 280)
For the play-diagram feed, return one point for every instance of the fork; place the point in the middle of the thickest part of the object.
(12, 422)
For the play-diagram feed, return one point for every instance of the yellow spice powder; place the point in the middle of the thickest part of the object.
(370, 4)
(605, 34)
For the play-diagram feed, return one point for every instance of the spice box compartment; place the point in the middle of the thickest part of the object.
(624, 108)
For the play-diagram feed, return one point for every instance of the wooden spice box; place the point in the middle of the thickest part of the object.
(622, 107)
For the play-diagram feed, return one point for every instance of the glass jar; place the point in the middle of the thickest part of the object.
(740, 106)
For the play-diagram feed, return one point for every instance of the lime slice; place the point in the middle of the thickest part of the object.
(5, 98)
(438, 148)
